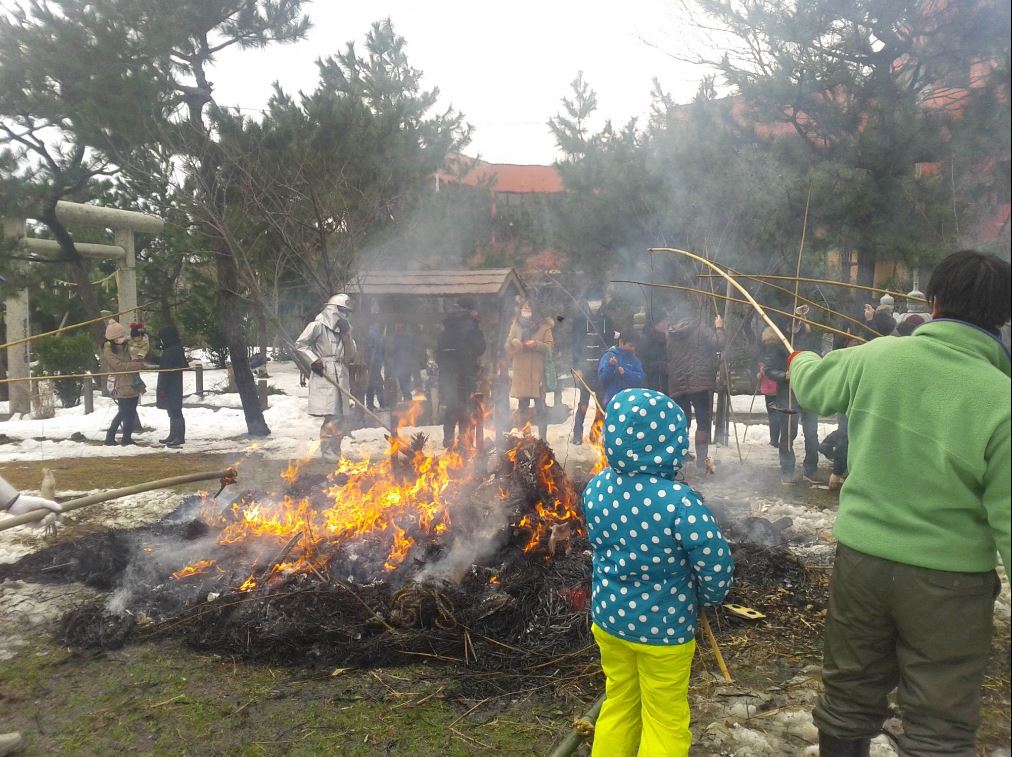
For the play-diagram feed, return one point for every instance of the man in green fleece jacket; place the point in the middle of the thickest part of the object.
(922, 515)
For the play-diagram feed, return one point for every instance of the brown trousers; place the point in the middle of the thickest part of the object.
(926, 632)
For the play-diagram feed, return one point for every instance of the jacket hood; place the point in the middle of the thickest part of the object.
(645, 432)
(168, 336)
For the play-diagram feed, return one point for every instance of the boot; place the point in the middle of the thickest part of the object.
(110, 437)
(831, 746)
(177, 432)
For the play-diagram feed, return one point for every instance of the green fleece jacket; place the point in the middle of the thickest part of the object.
(929, 450)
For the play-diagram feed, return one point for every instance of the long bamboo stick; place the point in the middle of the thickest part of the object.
(828, 282)
(813, 303)
(229, 474)
(59, 376)
(73, 326)
(735, 284)
(704, 293)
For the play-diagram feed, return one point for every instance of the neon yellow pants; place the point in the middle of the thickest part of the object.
(646, 711)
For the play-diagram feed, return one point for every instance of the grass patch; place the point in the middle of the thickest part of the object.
(87, 474)
(166, 699)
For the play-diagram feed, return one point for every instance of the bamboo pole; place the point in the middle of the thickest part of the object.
(59, 376)
(229, 474)
(73, 326)
(828, 282)
(807, 301)
(704, 623)
(569, 744)
(735, 284)
(704, 293)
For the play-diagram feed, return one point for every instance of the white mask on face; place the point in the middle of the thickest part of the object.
(332, 314)
(525, 313)
(594, 305)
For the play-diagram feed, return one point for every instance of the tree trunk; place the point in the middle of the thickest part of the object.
(235, 336)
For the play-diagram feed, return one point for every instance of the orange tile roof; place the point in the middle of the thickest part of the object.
(502, 177)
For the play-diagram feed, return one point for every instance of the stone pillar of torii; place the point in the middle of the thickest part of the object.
(124, 224)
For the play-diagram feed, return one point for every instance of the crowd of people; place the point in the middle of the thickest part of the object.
(677, 352)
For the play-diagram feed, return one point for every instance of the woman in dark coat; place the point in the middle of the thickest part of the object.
(169, 394)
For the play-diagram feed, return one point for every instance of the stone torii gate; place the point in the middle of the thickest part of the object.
(124, 223)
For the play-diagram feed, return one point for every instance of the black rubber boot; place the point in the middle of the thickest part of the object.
(831, 746)
(177, 432)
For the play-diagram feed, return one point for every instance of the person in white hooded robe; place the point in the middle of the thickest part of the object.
(327, 345)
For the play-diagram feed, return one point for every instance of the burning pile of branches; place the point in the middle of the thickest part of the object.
(413, 557)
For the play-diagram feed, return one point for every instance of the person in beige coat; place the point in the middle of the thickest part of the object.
(126, 387)
(529, 344)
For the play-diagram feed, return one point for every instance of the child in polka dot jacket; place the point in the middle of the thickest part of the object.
(658, 555)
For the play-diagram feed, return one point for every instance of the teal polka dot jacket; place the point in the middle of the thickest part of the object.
(657, 547)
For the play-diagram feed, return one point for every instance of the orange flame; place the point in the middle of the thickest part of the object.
(597, 440)
(393, 502)
(201, 566)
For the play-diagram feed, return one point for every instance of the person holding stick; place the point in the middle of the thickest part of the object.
(922, 515)
(326, 344)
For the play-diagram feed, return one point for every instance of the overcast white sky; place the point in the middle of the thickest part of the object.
(506, 65)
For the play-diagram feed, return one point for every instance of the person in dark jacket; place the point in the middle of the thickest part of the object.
(458, 351)
(592, 333)
(774, 358)
(619, 368)
(169, 389)
(403, 358)
(692, 373)
(653, 352)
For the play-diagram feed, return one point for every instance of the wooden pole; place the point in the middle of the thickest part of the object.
(92, 499)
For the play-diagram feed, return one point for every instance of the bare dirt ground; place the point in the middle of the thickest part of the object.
(165, 698)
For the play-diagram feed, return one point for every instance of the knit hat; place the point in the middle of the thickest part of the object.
(887, 301)
(115, 332)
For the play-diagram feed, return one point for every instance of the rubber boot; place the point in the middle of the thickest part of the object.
(831, 746)
(110, 437)
(177, 432)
